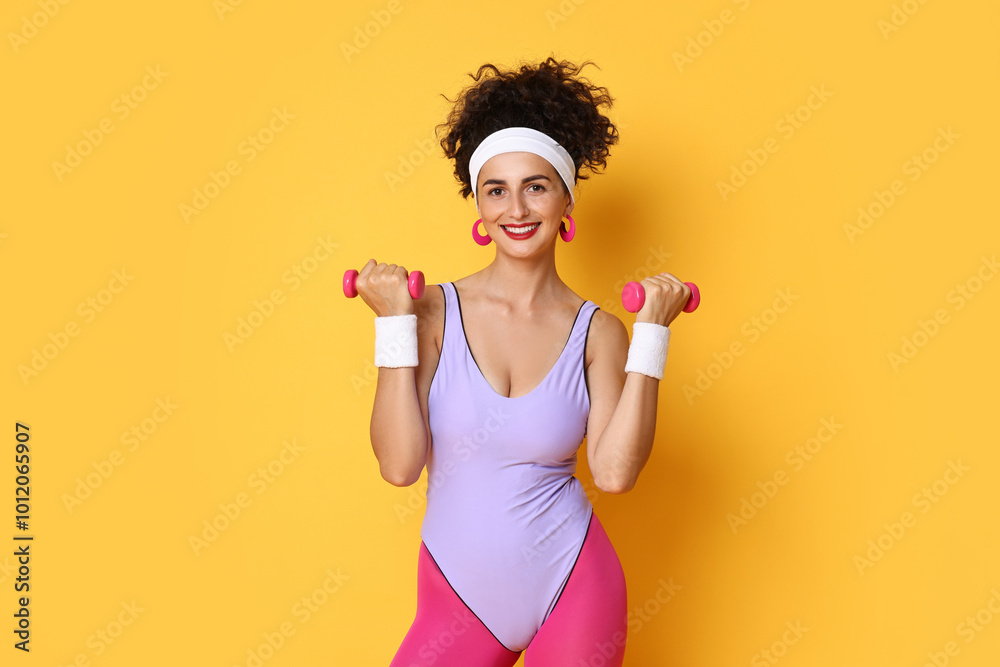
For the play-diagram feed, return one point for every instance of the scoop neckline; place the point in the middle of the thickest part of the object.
(468, 348)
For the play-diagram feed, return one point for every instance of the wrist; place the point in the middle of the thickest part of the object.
(396, 341)
(647, 352)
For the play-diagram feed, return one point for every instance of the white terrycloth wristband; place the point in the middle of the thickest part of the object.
(396, 341)
(647, 353)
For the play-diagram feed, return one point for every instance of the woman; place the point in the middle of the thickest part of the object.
(510, 371)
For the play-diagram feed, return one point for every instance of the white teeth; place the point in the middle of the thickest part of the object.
(521, 230)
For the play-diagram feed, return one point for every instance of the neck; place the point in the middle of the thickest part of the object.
(522, 283)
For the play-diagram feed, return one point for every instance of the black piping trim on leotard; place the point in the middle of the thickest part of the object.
(583, 360)
(590, 520)
(444, 325)
(433, 560)
(561, 351)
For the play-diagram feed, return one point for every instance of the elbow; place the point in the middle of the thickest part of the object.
(616, 488)
(610, 476)
(401, 472)
(401, 466)
(400, 477)
(615, 485)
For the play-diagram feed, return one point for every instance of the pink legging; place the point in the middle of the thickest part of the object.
(587, 626)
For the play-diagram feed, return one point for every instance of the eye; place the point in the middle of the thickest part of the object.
(496, 191)
(541, 188)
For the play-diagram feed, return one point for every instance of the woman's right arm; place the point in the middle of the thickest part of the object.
(400, 431)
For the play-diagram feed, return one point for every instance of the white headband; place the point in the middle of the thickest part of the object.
(516, 140)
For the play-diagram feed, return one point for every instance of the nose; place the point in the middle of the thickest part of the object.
(518, 207)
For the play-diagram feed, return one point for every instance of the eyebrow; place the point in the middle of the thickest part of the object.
(523, 180)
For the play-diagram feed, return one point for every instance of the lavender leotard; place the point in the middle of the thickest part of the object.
(506, 518)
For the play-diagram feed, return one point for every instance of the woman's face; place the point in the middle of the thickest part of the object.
(519, 190)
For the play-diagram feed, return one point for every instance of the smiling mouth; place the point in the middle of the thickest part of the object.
(521, 229)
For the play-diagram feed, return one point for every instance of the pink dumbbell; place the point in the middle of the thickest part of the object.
(633, 296)
(415, 283)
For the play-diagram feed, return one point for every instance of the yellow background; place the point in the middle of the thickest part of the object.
(305, 374)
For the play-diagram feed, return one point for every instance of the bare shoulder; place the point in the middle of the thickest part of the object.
(607, 337)
(432, 302)
(429, 310)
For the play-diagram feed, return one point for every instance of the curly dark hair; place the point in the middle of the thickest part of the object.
(547, 97)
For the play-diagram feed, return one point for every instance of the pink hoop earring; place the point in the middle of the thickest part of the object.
(567, 236)
(480, 239)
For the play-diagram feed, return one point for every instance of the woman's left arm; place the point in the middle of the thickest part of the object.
(622, 419)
